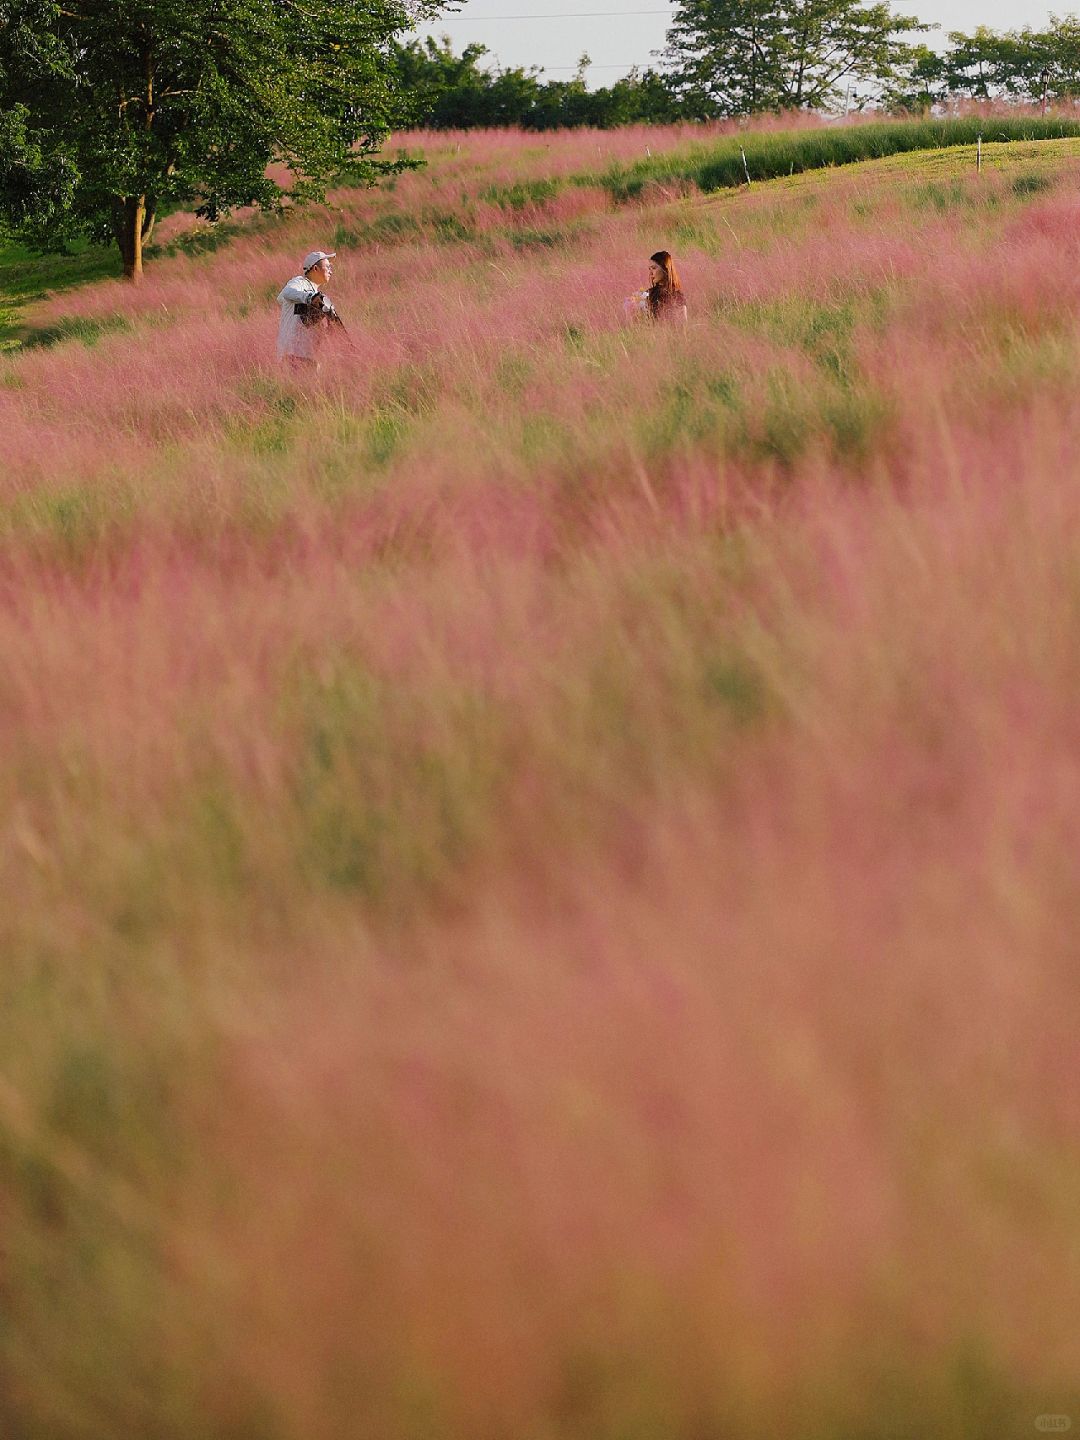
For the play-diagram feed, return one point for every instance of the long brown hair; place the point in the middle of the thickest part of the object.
(667, 291)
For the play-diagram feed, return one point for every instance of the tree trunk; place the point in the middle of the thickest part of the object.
(800, 68)
(131, 219)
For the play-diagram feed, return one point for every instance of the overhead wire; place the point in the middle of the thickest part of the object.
(556, 15)
(564, 15)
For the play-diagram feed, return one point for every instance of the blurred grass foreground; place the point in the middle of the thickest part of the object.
(540, 868)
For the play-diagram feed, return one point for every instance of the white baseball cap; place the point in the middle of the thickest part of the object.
(315, 256)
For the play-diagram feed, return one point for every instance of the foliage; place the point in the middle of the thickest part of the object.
(112, 112)
(725, 58)
(739, 57)
(444, 91)
(1036, 66)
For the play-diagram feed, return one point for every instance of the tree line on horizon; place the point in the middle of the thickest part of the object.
(114, 111)
(725, 59)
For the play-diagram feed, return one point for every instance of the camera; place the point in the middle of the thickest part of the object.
(318, 308)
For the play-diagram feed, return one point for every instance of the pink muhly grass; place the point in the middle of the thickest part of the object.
(545, 849)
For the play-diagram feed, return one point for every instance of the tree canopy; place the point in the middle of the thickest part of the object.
(1032, 66)
(739, 57)
(110, 109)
(442, 90)
(744, 57)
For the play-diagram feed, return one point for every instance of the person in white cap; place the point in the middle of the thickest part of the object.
(304, 317)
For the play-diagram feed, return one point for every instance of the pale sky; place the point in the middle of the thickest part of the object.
(616, 42)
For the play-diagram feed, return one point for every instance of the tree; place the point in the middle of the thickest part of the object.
(448, 91)
(641, 97)
(445, 91)
(1035, 66)
(834, 46)
(919, 83)
(725, 55)
(1058, 56)
(740, 57)
(113, 108)
(984, 65)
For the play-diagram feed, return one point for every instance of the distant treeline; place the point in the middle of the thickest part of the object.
(445, 91)
(704, 73)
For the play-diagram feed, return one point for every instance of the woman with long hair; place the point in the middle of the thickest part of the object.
(664, 299)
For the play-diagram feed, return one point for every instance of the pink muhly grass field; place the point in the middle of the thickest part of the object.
(541, 861)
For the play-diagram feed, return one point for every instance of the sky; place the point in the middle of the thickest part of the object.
(625, 36)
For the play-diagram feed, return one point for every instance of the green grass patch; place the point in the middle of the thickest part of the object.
(512, 374)
(385, 432)
(522, 194)
(781, 428)
(822, 330)
(941, 196)
(88, 330)
(700, 234)
(534, 239)
(206, 238)
(396, 227)
(855, 418)
(414, 388)
(273, 435)
(73, 519)
(546, 438)
(720, 165)
(449, 228)
(1031, 182)
(26, 276)
(274, 426)
(694, 409)
(391, 791)
(735, 686)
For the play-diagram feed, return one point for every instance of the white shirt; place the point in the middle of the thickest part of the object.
(295, 338)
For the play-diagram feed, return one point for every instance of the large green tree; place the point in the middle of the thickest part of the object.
(726, 55)
(740, 57)
(111, 109)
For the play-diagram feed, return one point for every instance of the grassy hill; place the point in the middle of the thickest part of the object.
(539, 861)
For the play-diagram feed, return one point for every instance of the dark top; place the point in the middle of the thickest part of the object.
(665, 302)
